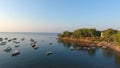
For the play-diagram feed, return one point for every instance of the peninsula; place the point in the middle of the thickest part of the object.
(109, 37)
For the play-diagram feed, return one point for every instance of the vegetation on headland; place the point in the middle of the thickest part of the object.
(108, 35)
(116, 37)
(85, 32)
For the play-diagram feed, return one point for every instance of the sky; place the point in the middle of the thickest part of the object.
(58, 15)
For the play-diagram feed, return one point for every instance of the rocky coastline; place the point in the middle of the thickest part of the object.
(90, 41)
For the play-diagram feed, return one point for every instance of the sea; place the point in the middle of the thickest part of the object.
(52, 52)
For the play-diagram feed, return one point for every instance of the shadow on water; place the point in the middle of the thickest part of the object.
(79, 46)
(107, 52)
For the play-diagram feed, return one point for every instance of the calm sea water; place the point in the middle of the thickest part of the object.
(61, 57)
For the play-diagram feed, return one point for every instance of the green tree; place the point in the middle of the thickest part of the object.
(60, 35)
(116, 37)
(109, 32)
(85, 32)
(67, 34)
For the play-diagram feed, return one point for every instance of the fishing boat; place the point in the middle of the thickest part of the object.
(16, 42)
(14, 38)
(35, 47)
(6, 38)
(3, 43)
(71, 48)
(8, 49)
(1, 39)
(104, 47)
(9, 40)
(22, 39)
(49, 53)
(15, 52)
(17, 45)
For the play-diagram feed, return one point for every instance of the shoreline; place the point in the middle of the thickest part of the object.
(110, 45)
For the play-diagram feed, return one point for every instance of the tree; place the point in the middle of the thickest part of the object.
(85, 32)
(67, 34)
(109, 32)
(60, 35)
(116, 37)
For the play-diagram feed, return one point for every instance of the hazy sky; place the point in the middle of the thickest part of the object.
(58, 15)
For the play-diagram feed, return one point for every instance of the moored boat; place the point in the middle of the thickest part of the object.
(15, 52)
(49, 53)
(8, 49)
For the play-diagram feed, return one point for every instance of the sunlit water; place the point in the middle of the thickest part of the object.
(61, 57)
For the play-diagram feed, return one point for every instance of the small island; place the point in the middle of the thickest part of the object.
(107, 38)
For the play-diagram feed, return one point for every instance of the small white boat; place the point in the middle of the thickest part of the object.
(16, 42)
(104, 47)
(17, 45)
(32, 43)
(3, 43)
(93, 47)
(71, 48)
(8, 49)
(15, 52)
(88, 48)
(78, 48)
(84, 47)
(22, 39)
(36, 47)
(49, 53)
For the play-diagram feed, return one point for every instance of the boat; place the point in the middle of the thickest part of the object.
(16, 42)
(3, 43)
(15, 52)
(14, 38)
(8, 49)
(6, 38)
(71, 48)
(35, 47)
(84, 47)
(32, 40)
(1, 39)
(91, 45)
(104, 47)
(49, 53)
(22, 39)
(9, 40)
(78, 48)
(88, 48)
(17, 45)
(50, 43)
